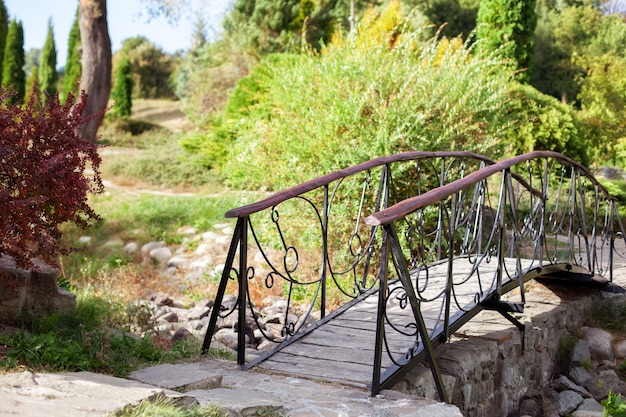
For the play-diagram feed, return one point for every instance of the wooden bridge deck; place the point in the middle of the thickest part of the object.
(342, 350)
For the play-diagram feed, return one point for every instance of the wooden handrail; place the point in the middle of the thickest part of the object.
(401, 209)
(299, 189)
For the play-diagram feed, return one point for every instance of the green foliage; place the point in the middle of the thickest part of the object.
(73, 65)
(617, 188)
(123, 90)
(204, 79)
(212, 147)
(4, 29)
(151, 68)
(603, 100)
(454, 17)
(546, 124)
(90, 339)
(508, 26)
(614, 406)
(269, 26)
(311, 114)
(13, 62)
(32, 86)
(48, 75)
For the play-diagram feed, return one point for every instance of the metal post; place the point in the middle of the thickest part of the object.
(324, 253)
(405, 279)
(450, 278)
(215, 311)
(380, 317)
(243, 292)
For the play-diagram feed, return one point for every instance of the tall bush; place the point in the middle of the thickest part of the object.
(73, 67)
(48, 75)
(42, 176)
(508, 26)
(4, 29)
(123, 90)
(13, 62)
(314, 114)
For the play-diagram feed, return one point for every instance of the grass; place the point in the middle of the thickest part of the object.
(95, 337)
(163, 407)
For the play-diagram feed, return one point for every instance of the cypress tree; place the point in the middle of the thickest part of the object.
(32, 87)
(13, 63)
(48, 75)
(4, 29)
(73, 68)
(122, 93)
(508, 26)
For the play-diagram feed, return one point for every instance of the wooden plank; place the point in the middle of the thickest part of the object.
(342, 350)
(320, 368)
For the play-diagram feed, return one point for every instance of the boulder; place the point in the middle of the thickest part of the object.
(31, 293)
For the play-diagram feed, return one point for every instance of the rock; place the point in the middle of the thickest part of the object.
(620, 349)
(187, 230)
(145, 249)
(567, 401)
(162, 255)
(581, 352)
(579, 375)
(131, 248)
(197, 312)
(31, 293)
(223, 240)
(161, 299)
(600, 385)
(583, 413)
(202, 263)
(203, 249)
(84, 240)
(113, 243)
(590, 404)
(531, 408)
(599, 343)
(180, 335)
(209, 236)
(180, 262)
(562, 383)
(169, 317)
(228, 337)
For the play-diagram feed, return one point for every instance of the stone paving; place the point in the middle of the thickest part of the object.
(241, 393)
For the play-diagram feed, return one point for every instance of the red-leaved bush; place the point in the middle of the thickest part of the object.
(43, 179)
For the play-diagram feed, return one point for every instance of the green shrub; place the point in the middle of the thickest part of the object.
(544, 123)
(357, 100)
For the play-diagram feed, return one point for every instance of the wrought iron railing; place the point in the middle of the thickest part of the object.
(448, 234)
(496, 233)
(310, 246)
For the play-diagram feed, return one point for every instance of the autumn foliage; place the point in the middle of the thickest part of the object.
(43, 179)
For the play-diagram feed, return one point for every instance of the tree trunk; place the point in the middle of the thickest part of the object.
(96, 62)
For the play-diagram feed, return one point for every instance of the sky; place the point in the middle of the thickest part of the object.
(126, 18)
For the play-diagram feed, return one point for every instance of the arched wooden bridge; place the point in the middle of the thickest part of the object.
(385, 260)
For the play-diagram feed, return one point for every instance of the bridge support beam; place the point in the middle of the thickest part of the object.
(505, 308)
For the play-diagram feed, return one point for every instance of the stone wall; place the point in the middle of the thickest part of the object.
(30, 293)
(484, 368)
